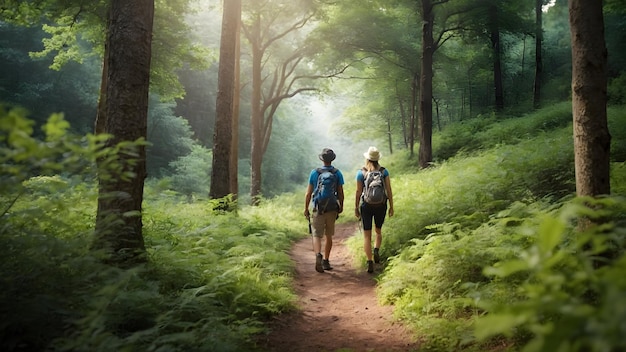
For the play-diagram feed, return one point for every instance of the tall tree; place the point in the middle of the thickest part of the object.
(592, 140)
(493, 18)
(538, 49)
(425, 121)
(224, 106)
(125, 114)
(274, 72)
(234, 147)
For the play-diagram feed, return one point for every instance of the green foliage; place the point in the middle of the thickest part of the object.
(617, 128)
(505, 203)
(540, 289)
(23, 156)
(211, 279)
(468, 189)
(616, 90)
(618, 178)
(284, 167)
(192, 172)
(77, 30)
(28, 82)
(484, 133)
(170, 137)
(571, 298)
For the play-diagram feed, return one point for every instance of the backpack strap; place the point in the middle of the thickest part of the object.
(365, 171)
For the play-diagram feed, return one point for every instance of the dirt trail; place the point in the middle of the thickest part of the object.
(339, 310)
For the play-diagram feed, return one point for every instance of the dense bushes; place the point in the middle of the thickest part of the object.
(210, 281)
(482, 252)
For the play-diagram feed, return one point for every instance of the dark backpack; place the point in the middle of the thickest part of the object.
(374, 189)
(325, 197)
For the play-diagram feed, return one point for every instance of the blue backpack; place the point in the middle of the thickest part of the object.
(325, 195)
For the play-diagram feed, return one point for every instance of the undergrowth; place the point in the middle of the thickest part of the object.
(211, 280)
(480, 255)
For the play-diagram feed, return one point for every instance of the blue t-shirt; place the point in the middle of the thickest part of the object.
(314, 175)
(360, 177)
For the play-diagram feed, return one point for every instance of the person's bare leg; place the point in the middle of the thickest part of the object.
(328, 246)
(317, 244)
(379, 237)
(367, 243)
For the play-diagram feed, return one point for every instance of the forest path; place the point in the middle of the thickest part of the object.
(338, 308)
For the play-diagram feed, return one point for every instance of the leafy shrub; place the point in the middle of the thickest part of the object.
(170, 138)
(431, 281)
(211, 279)
(192, 172)
(571, 298)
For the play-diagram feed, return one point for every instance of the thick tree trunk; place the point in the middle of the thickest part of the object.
(222, 135)
(129, 38)
(426, 86)
(592, 140)
(538, 59)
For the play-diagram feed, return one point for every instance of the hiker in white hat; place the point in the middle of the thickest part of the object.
(372, 200)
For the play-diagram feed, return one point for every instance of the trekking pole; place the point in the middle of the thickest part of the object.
(311, 233)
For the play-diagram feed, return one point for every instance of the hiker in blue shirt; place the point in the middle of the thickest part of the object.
(325, 190)
(373, 191)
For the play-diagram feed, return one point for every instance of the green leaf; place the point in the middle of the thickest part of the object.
(56, 127)
(491, 325)
(551, 232)
(504, 269)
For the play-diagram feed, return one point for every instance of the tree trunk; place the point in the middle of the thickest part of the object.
(256, 116)
(538, 59)
(405, 138)
(412, 124)
(100, 125)
(129, 38)
(497, 58)
(222, 135)
(234, 148)
(426, 86)
(592, 140)
(389, 139)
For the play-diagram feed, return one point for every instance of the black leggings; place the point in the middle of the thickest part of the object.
(375, 212)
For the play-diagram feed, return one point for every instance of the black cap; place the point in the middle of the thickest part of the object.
(327, 155)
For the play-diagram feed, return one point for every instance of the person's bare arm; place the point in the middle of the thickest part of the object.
(357, 198)
(307, 200)
(389, 194)
(340, 197)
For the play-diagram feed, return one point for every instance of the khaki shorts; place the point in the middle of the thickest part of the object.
(324, 224)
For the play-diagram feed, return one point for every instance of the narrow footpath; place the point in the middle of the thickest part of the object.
(339, 310)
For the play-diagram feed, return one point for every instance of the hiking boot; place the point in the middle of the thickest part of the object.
(370, 266)
(318, 263)
(326, 265)
(376, 256)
